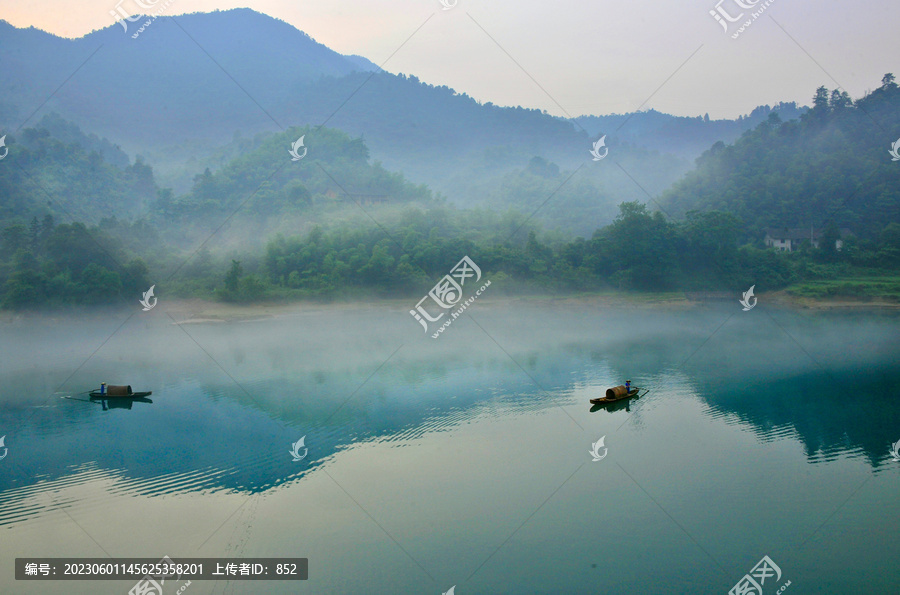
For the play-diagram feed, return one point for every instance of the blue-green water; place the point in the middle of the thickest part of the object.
(463, 460)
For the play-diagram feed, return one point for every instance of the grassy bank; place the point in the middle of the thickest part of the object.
(872, 286)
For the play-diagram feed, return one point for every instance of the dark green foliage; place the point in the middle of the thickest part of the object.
(240, 287)
(44, 173)
(233, 278)
(826, 167)
(68, 133)
(636, 251)
(831, 166)
(827, 244)
(263, 182)
(69, 264)
(640, 250)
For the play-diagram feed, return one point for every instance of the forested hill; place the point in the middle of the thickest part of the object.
(163, 86)
(189, 85)
(56, 169)
(265, 182)
(831, 167)
(683, 136)
(69, 133)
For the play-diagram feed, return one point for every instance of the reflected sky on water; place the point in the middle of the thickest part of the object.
(464, 460)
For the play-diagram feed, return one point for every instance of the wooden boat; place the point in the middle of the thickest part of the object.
(120, 402)
(95, 394)
(114, 391)
(614, 394)
(612, 406)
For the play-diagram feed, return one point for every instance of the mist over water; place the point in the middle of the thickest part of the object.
(449, 444)
(385, 272)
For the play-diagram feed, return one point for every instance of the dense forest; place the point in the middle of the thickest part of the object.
(155, 96)
(79, 181)
(683, 136)
(829, 167)
(337, 225)
(279, 187)
(48, 264)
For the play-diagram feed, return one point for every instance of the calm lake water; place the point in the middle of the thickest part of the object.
(462, 461)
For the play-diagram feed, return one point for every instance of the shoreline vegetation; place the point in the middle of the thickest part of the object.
(200, 311)
(639, 257)
(301, 238)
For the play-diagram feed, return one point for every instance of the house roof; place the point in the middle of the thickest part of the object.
(800, 233)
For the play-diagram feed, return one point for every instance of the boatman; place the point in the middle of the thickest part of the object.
(627, 386)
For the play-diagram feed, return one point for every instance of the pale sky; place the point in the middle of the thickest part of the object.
(590, 56)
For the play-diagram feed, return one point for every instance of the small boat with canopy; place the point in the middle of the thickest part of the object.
(114, 391)
(620, 393)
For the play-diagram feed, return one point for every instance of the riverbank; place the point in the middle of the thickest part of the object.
(199, 311)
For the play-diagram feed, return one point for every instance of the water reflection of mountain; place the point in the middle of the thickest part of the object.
(832, 381)
(849, 412)
(204, 433)
(218, 437)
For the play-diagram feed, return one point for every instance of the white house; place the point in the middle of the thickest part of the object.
(789, 239)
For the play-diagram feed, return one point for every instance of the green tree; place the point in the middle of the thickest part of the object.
(100, 285)
(13, 238)
(233, 278)
(640, 248)
(136, 276)
(251, 288)
(820, 101)
(47, 227)
(828, 243)
(23, 289)
(34, 235)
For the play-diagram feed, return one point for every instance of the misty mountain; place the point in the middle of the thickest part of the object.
(61, 171)
(184, 87)
(175, 82)
(831, 166)
(69, 133)
(266, 182)
(188, 92)
(682, 136)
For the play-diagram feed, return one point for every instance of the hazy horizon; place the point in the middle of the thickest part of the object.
(592, 59)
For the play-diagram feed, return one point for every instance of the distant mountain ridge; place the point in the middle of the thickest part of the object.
(179, 71)
(831, 167)
(186, 93)
(199, 78)
(683, 136)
